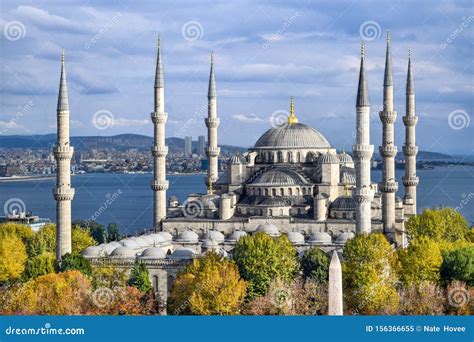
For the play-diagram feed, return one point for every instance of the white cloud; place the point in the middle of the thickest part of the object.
(248, 118)
(130, 122)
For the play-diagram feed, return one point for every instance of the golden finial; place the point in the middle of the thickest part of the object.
(346, 190)
(62, 56)
(388, 36)
(210, 186)
(343, 150)
(292, 119)
(362, 49)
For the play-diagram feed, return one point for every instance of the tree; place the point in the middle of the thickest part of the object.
(12, 257)
(74, 262)
(81, 239)
(139, 277)
(122, 301)
(109, 276)
(19, 230)
(113, 233)
(443, 224)
(369, 276)
(420, 261)
(315, 265)
(39, 265)
(66, 293)
(261, 259)
(96, 230)
(209, 286)
(458, 264)
(424, 298)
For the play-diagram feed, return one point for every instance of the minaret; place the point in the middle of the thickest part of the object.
(212, 122)
(410, 150)
(388, 150)
(362, 150)
(159, 184)
(63, 193)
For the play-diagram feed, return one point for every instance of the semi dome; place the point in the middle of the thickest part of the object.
(214, 235)
(280, 177)
(328, 158)
(345, 158)
(344, 237)
(345, 203)
(269, 229)
(123, 252)
(93, 252)
(153, 253)
(347, 175)
(319, 238)
(182, 253)
(188, 236)
(292, 135)
(296, 238)
(236, 236)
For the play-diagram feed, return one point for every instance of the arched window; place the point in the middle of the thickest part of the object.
(274, 192)
(280, 157)
(282, 192)
(155, 283)
(298, 157)
(290, 191)
(289, 157)
(344, 216)
(270, 212)
(266, 192)
(297, 191)
(304, 191)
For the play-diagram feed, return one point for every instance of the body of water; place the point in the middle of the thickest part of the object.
(126, 199)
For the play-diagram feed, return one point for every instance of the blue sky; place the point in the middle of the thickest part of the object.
(265, 52)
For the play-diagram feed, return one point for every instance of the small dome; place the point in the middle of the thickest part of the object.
(347, 175)
(321, 196)
(93, 252)
(109, 247)
(319, 238)
(155, 239)
(345, 158)
(236, 236)
(269, 229)
(141, 242)
(150, 240)
(187, 236)
(123, 252)
(129, 243)
(344, 237)
(328, 158)
(153, 253)
(210, 244)
(165, 235)
(182, 253)
(345, 203)
(296, 238)
(213, 235)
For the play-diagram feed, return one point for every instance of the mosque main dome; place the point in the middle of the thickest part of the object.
(292, 135)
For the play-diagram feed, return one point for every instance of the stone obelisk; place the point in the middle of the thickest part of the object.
(335, 286)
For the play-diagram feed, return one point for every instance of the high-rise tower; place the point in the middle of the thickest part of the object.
(362, 150)
(63, 151)
(212, 122)
(388, 150)
(410, 150)
(159, 184)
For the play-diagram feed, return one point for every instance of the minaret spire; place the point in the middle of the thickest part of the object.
(410, 150)
(212, 122)
(63, 151)
(159, 184)
(362, 150)
(388, 150)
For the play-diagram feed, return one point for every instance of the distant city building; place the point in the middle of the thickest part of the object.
(201, 145)
(188, 145)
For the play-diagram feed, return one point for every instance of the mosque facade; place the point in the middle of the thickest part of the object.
(291, 182)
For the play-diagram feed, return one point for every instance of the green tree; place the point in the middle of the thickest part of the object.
(96, 230)
(25, 233)
(12, 257)
(139, 277)
(113, 233)
(443, 224)
(369, 276)
(81, 239)
(209, 286)
(43, 241)
(74, 262)
(262, 259)
(420, 261)
(315, 265)
(458, 264)
(39, 265)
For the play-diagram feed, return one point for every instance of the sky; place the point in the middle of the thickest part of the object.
(265, 52)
